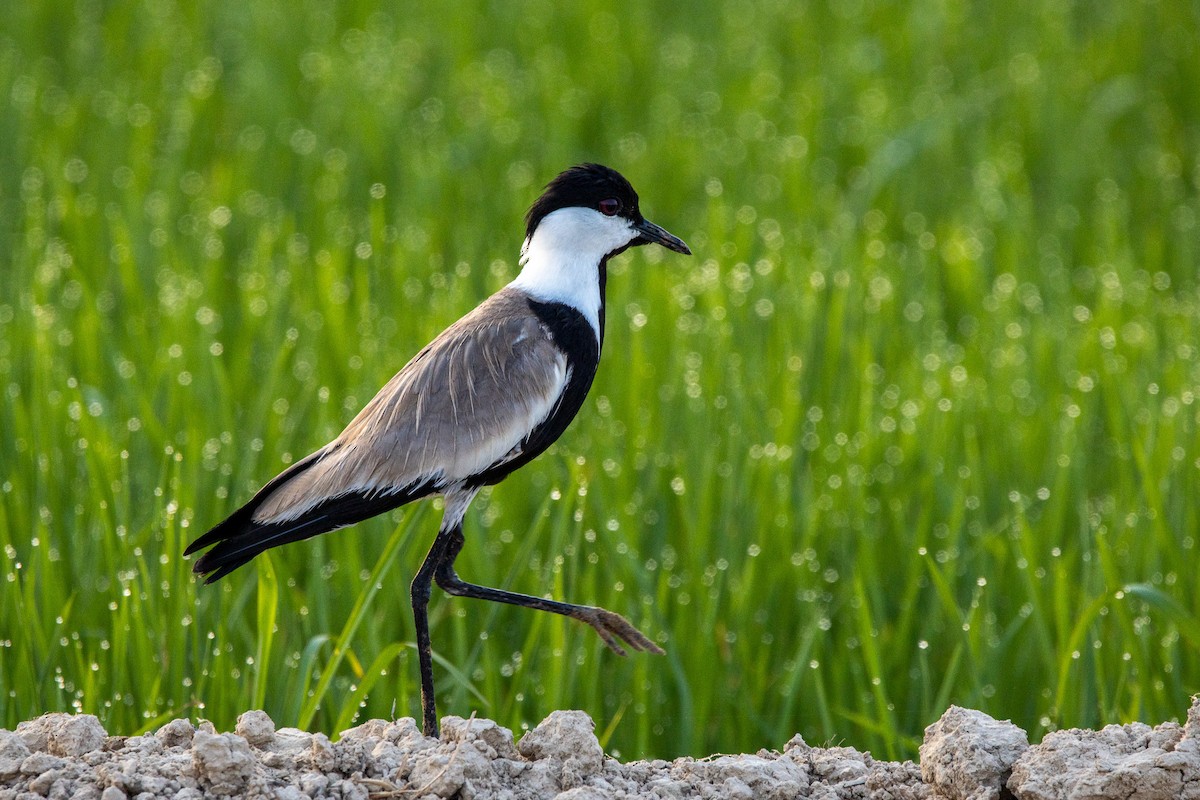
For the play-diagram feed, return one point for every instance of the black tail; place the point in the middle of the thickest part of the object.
(239, 538)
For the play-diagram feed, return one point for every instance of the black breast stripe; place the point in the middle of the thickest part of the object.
(603, 299)
(571, 333)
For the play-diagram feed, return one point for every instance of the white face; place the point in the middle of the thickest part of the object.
(561, 261)
(585, 231)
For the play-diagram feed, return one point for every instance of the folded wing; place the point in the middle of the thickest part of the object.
(464, 404)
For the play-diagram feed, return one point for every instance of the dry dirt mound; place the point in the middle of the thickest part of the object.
(967, 755)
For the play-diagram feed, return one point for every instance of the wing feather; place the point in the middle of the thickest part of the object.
(461, 405)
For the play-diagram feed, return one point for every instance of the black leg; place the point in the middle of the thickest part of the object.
(420, 605)
(610, 626)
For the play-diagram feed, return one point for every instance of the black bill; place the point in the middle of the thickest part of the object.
(651, 233)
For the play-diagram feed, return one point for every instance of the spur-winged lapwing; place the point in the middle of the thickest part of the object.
(485, 397)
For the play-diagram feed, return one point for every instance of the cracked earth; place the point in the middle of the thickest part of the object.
(966, 755)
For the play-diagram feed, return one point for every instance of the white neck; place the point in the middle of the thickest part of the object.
(560, 262)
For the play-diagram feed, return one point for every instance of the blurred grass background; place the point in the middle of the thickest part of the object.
(917, 425)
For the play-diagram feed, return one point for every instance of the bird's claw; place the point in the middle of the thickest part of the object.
(612, 627)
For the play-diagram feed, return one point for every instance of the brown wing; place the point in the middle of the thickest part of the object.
(462, 404)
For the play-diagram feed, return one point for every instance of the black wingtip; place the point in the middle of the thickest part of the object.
(211, 562)
(201, 568)
(215, 535)
(216, 564)
(240, 524)
(218, 573)
(237, 540)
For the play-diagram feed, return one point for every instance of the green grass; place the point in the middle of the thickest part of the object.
(917, 425)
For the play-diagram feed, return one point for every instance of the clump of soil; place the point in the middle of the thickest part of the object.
(967, 755)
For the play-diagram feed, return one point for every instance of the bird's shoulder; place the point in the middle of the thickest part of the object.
(497, 353)
(505, 316)
(500, 335)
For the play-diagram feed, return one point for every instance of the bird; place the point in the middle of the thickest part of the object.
(484, 398)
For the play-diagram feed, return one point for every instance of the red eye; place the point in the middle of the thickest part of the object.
(610, 207)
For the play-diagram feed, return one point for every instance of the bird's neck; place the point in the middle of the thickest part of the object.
(565, 275)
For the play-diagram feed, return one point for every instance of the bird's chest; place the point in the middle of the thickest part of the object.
(574, 337)
(572, 334)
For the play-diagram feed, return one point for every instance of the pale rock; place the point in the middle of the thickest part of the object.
(291, 742)
(498, 738)
(176, 733)
(441, 774)
(256, 728)
(37, 763)
(1125, 762)
(76, 735)
(223, 762)
(13, 752)
(321, 754)
(583, 793)
(63, 734)
(569, 738)
(967, 755)
(746, 775)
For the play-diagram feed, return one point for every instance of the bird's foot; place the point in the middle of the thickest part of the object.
(613, 627)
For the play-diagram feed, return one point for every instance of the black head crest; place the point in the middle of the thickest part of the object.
(586, 186)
